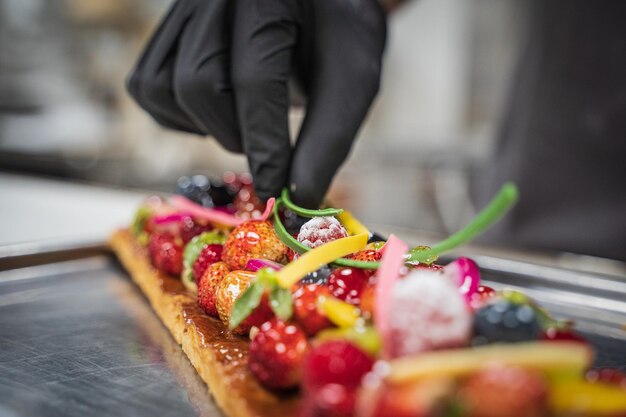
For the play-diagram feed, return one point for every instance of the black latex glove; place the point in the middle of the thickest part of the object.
(221, 68)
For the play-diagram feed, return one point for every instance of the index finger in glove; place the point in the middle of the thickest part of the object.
(350, 38)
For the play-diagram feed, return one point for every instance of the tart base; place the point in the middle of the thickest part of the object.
(219, 357)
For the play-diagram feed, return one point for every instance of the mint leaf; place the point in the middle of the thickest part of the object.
(245, 304)
(281, 302)
(195, 246)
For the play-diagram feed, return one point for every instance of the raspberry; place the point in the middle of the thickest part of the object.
(427, 313)
(347, 284)
(335, 362)
(305, 308)
(320, 230)
(166, 253)
(247, 204)
(208, 256)
(253, 239)
(207, 286)
(227, 292)
(188, 228)
(276, 354)
(608, 376)
(504, 391)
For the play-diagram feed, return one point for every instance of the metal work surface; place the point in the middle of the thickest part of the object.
(78, 338)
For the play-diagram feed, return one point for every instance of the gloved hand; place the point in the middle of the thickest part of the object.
(221, 68)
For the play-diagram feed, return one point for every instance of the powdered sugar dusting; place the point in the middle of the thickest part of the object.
(320, 230)
(428, 313)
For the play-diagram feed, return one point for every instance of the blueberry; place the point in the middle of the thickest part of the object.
(503, 321)
(317, 277)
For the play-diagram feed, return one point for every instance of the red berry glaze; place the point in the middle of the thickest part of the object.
(320, 230)
(276, 354)
(166, 253)
(305, 308)
(207, 286)
(347, 284)
(207, 257)
(335, 362)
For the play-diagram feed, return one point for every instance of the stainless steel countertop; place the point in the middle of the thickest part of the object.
(78, 338)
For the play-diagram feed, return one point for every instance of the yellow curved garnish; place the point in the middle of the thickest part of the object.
(316, 258)
(579, 397)
(352, 224)
(338, 312)
(553, 359)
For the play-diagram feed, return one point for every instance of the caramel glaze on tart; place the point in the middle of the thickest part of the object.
(220, 357)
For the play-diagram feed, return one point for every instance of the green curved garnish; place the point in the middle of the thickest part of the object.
(299, 248)
(304, 212)
(142, 216)
(497, 207)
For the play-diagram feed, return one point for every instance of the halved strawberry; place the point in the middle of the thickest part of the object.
(227, 292)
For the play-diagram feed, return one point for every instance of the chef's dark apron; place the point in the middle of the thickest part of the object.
(563, 136)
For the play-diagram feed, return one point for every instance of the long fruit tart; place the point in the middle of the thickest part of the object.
(285, 311)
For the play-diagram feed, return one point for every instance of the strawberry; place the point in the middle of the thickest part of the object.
(227, 292)
(208, 256)
(276, 354)
(367, 255)
(166, 253)
(335, 362)
(347, 284)
(207, 286)
(305, 307)
(253, 239)
(320, 230)
(501, 391)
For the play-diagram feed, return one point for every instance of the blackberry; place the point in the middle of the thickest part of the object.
(504, 321)
(292, 221)
(317, 277)
(204, 191)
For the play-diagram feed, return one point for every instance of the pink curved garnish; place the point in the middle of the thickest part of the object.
(465, 274)
(256, 264)
(388, 274)
(170, 217)
(269, 207)
(213, 215)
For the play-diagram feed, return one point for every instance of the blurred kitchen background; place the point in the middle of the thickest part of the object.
(64, 111)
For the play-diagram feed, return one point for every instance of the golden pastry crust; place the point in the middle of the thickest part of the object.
(220, 358)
